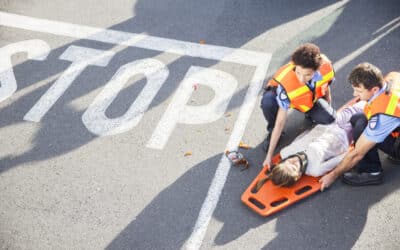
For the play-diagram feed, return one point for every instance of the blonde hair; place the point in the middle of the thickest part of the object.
(282, 176)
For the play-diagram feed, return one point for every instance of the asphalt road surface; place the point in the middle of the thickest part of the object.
(114, 116)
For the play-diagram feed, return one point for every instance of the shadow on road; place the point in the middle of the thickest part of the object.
(330, 220)
(61, 129)
(168, 220)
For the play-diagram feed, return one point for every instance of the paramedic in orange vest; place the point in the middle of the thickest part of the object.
(302, 84)
(376, 128)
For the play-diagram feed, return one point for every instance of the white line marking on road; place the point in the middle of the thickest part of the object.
(136, 40)
(258, 59)
(218, 182)
(345, 60)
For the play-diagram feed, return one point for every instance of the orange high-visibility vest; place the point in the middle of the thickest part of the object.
(387, 102)
(300, 95)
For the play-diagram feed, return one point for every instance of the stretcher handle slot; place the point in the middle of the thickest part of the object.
(303, 190)
(254, 189)
(279, 202)
(256, 203)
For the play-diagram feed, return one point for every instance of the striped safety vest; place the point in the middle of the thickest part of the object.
(388, 101)
(300, 95)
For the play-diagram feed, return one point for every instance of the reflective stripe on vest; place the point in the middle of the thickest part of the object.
(283, 72)
(388, 102)
(299, 94)
(394, 99)
(327, 73)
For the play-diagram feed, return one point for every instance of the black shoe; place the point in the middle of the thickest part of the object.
(363, 178)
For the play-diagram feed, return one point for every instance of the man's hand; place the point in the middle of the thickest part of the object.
(363, 145)
(327, 180)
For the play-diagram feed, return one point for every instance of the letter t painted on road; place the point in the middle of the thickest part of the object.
(81, 58)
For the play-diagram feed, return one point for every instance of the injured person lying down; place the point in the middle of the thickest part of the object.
(316, 151)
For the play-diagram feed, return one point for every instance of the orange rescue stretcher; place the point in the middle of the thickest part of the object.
(268, 198)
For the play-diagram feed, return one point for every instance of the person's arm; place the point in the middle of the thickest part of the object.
(276, 133)
(326, 166)
(363, 145)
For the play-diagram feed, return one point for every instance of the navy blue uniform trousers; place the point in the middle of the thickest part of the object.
(371, 162)
(320, 113)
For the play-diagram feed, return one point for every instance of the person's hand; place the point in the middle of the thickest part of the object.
(327, 180)
(267, 161)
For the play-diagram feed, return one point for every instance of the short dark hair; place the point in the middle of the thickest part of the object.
(308, 56)
(366, 74)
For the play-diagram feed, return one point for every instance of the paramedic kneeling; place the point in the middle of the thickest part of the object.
(376, 128)
(302, 84)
